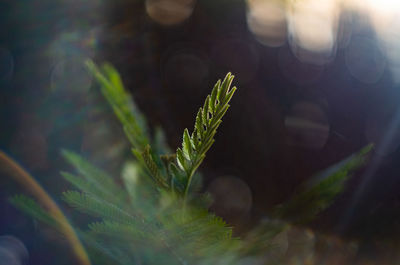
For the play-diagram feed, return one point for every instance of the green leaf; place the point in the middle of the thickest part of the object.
(153, 168)
(187, 145)
(178, 181)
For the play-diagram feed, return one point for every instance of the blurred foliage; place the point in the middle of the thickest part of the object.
(320, 192)
(158, 214)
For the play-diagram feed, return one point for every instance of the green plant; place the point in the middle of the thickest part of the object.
(159, 215)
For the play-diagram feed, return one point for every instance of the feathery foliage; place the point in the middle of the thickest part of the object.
(30, 207)
(124, 108)
(319, 193)
(149, 219)
(208, 118)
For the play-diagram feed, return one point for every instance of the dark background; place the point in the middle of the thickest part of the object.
(48, 102)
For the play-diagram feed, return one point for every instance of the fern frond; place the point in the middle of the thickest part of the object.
(83, 185)
(153, 168)
(32, 208)
(322, 190)
(99, 208)
(136, 242)
(102, 184)
(128, 232)
(120, 100)
(196, 232)
(104, 253)
(208, 118)
(132, 121)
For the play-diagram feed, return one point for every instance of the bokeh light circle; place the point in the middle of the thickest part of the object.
(237, 56)
(266, 19)
(12, 251)
(364, 59)
(28, 141)
(232, 196)
(71, 75)
(313, 24)
(298, 72)
(185, 67)
(169, 12)
(307, 125)
(6, 64)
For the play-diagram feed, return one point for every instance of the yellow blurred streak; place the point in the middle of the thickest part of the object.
(10, 167)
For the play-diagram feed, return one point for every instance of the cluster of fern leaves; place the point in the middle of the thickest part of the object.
(158, 215)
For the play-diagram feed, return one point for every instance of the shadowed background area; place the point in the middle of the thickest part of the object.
(317, 81)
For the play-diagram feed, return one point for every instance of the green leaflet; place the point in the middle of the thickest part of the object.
(146, 158)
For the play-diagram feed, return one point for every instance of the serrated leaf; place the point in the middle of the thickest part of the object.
(225, 87)
(187, 145)
(153, 168)
(214, 93)
(205, 112)
(180, 157)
